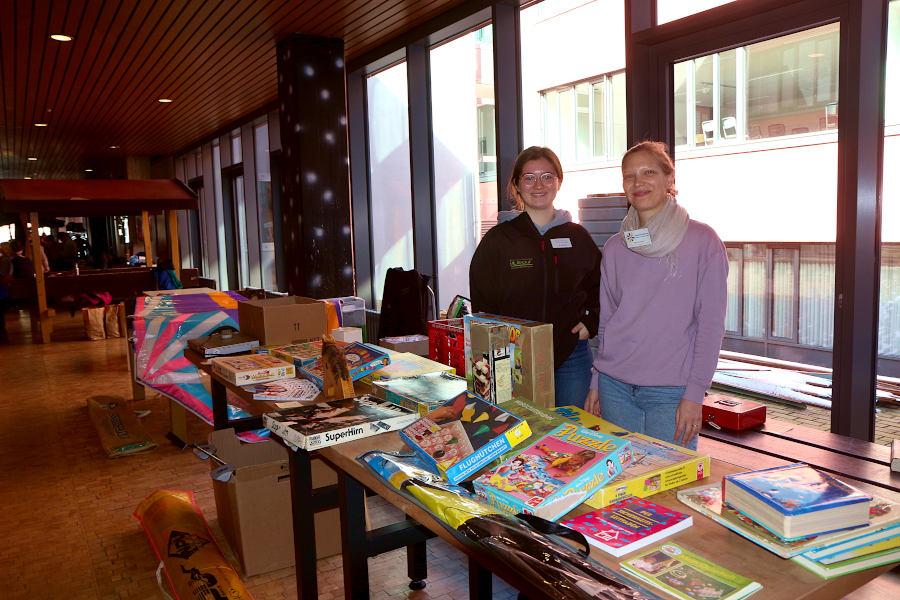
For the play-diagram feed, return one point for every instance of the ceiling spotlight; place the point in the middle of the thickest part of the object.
(61, 37)
(40, 124)
(88, 170)
(165, 100)
(32, 158)
(113, 147)
(27, 177)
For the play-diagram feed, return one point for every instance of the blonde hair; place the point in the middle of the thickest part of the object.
(530, 153)
(660, 152)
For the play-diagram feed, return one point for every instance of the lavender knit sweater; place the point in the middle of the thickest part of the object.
(659, 329)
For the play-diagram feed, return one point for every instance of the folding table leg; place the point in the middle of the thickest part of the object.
(480, 584)
(304, 525)
(416, 564)
(354, 553)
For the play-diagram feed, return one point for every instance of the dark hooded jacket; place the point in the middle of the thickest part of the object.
(552, 278)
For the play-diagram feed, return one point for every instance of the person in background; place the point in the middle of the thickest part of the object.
(5, 277)
(662, 307)
(45, 264)
(537, 264)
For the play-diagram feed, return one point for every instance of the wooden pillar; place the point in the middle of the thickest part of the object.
(174, 250)
(148, 240)
(44, 316)
(315, 172)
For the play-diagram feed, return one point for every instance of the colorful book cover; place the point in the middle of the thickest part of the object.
(337, 421)
(891, 541)
(251, 368)
(707, 500)
(421, 393)
(361, 359)
(685, 575)
(844, 567)
(556, 473)
(461, 436)
(795, 489)
(541, 421)
(629, 525)
(301, 354)
(657, 466)
(285, 390)
(866, 543)
(405, 364)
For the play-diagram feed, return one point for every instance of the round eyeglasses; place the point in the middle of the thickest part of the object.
(530, 179)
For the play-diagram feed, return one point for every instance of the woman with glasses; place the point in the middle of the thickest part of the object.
(662, 307)
(536, 264)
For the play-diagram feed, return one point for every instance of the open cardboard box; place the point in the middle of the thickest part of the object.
(283, 320)
(254, 506)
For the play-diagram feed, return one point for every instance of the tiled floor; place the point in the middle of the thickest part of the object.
(66, 521)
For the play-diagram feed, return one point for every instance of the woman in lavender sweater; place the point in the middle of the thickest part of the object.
(662, 307)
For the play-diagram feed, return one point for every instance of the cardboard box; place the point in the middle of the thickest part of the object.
(275, 321)
(414, 344)
(531, 352)
(348, 334)
(488, 352)
(254, 506)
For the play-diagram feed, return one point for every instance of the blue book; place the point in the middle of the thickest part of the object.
(796, 501)
(462, 436)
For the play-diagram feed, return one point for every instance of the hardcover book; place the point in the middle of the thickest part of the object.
(361, 359)
(890, 541)
(302, 354)
(852, 565)
(656, 466)
(795, 501)
(707, 500)
(251, 368)
(685, 575)
(405, 364)
(285, 390)
(337, 421)
(556, 473)
(629, 525)
(421, 393)
(461, 436)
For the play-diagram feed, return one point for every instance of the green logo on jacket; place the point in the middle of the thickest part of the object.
(521, 263)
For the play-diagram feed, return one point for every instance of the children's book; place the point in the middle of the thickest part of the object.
(337, 421)
(541, 421)
(285, 390)
(302, 354)
(657, 466)
(796, 501)
(852, 565)
(685, 575)
(556, 473)
(461, 436)
(629, 525)
(251, 368)
(707, 500)
(361, 359)
(890, 541)
(405, 364)
(421, 393)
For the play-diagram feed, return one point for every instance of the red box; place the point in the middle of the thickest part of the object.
(447, 344)
(736, 414)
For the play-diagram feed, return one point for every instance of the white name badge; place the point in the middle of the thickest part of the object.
(561, 242)
(637, 238)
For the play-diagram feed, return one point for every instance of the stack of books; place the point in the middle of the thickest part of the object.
(421, 393)
(797, 512)
(361, 359)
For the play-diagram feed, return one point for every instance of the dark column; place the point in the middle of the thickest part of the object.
(315, 205)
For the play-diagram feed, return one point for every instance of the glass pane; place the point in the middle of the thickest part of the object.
(466, 204)
(620, 118)
(817, 295)
(240, 222)
(583, 122)
(551, 119)
(264, 203)
(222, 260)
(487, 143)
(783, 319)
(681, 102)
(705, 126)
(598, 118)
(792, 83)
(670, 10)
(390, 186)
(728, 94)
(754, 288)
(567, 124)
(236, 155)
(733, 308)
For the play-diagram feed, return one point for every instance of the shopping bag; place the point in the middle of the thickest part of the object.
(111, 320)
(93, 323)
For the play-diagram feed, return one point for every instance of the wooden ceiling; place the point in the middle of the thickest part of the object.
(215, 60)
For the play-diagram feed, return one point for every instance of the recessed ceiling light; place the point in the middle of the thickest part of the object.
(61, 37)
(40, 124)
(113, 147)
(32, 158)
(27, 177)
(88, 170)
(165, 100)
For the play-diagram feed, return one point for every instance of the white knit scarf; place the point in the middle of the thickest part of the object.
(667, 228)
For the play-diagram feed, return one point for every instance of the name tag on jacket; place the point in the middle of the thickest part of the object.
(561, 242)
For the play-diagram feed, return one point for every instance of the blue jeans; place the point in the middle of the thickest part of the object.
(572, 379)
(642, 408)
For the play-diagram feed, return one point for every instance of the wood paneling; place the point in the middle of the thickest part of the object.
(216, 60)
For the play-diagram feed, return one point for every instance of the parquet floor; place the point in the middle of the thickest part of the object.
(66, 530)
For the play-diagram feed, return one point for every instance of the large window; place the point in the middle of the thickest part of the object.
(264, 204)
(771, 89)
(462, 97)
(390, 186)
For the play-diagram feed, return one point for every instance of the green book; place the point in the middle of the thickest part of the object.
(851, 565)
(685, 575)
